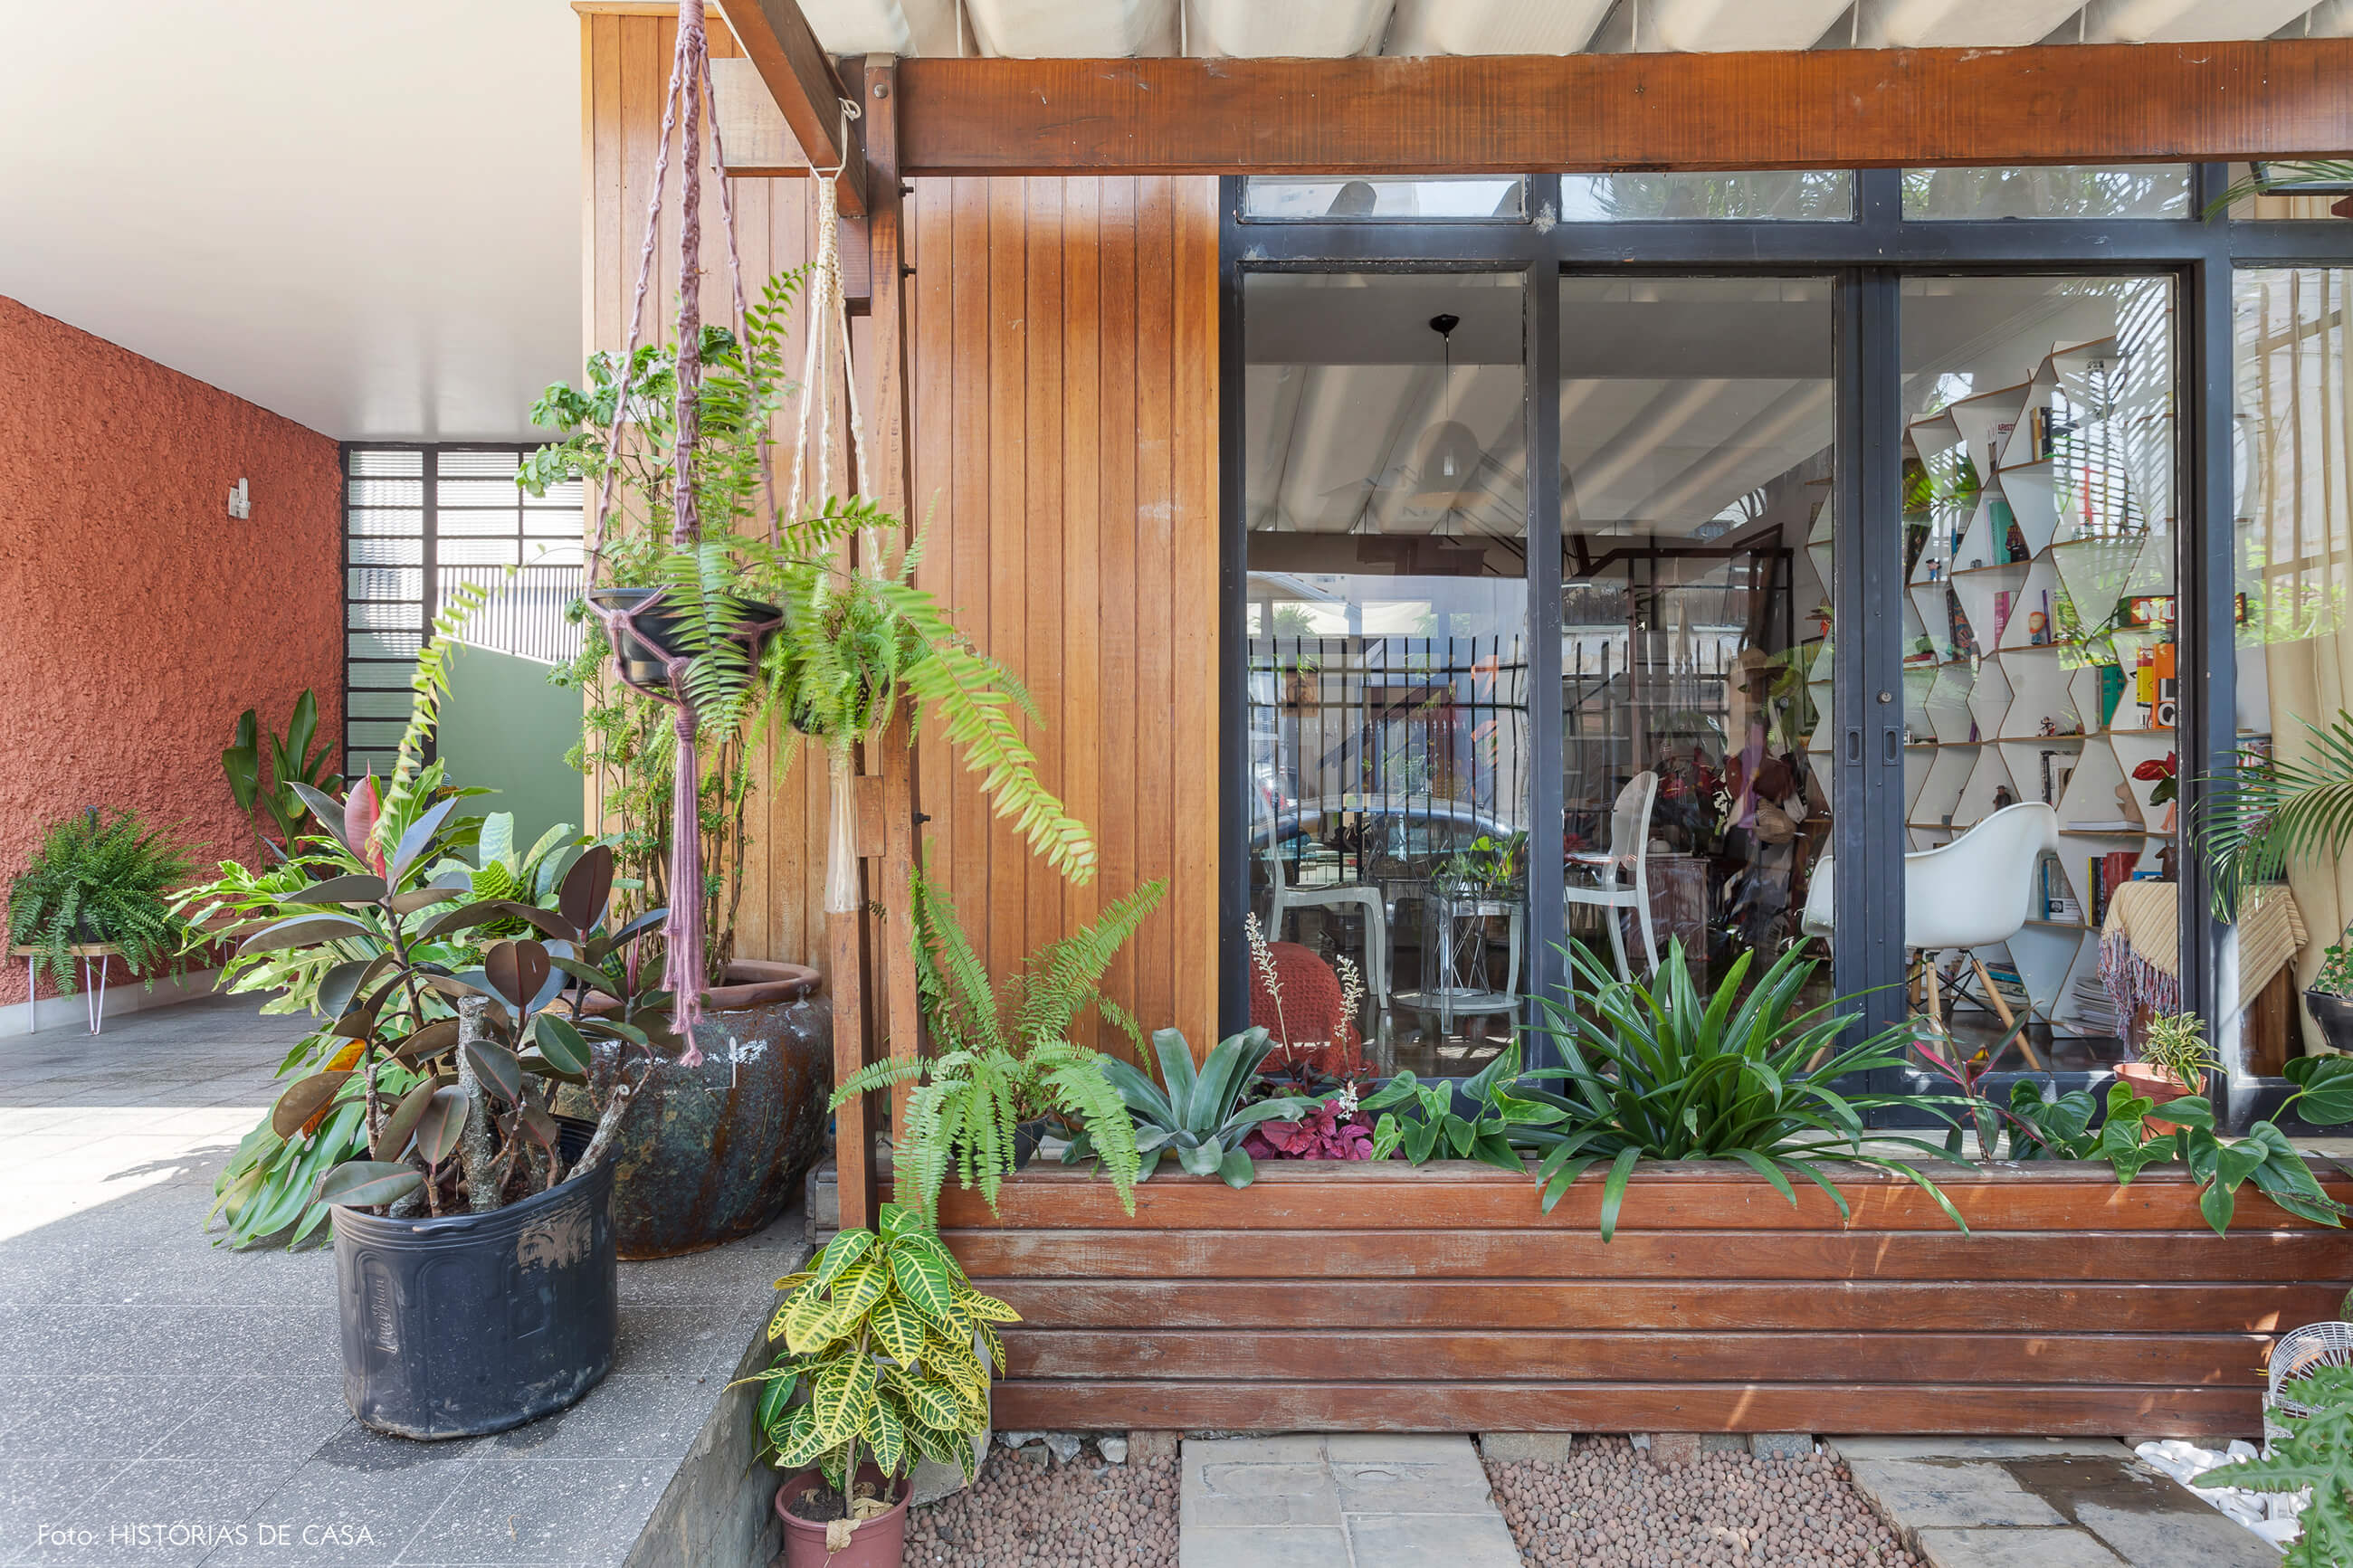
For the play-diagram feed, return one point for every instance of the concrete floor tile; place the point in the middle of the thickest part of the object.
(530, 1511)
(1445, 1449)
(45, 1492)
(1431, 1540)
(1913, 1494)
(108, 1418)
(1264, 1549)
(158, 1513)
(627, 1417)
(259, 1418)
(1954, 1447)
(1292, 1447)
(347, 1516)
(2016, 1548)
(2207, 1539)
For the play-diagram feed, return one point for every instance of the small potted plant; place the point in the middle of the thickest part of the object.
(99, 879)
(2174, 1061)
(888, 1351)
(2330, 997)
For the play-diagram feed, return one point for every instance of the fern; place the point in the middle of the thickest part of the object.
(98, 878)
(2273, 811)
(1004, 1058)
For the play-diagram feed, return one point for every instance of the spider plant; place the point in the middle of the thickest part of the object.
(1661, 1071)
(2271, 810)
(1002, 1057)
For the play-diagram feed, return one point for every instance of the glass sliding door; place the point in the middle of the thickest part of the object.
(1386, 615)
(1697, 427)
(2040, 674)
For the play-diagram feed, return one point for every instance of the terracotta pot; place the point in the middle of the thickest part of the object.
(2150, 1084)
(878, 1542)
(715, 1152)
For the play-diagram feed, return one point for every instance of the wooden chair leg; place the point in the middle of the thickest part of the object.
(1935, 994)
(2009, 1018)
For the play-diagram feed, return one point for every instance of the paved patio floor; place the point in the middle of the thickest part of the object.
(166, 1401)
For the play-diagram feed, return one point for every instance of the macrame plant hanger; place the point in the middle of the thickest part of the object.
(683, 936)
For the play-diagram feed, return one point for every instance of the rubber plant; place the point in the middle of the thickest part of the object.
(886, 1358)
(1002, 1058)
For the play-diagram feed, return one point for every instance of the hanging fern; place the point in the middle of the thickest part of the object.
(99, 878)
(2272, 811)
(1003, 1059)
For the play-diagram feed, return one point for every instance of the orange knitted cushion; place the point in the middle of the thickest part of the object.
(1318, 1036)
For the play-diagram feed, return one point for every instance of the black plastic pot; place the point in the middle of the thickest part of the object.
(471, 1323)
(644, 655)
(1026, 1136)
(2334, 1014)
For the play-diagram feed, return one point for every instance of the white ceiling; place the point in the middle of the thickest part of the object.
(363, 215)
(1333, 27)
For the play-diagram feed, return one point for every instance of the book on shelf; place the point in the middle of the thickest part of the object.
(2094, 1010)
(1958, 620)
(2112, 692)
(2009, 986)
(2004, 525)
(2103, 825)
(2000, 612)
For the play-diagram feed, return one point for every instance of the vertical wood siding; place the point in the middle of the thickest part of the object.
(1064, 441)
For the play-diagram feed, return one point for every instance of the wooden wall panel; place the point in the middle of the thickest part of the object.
(1335, 1295)
(1065, 357)
(1064, 441)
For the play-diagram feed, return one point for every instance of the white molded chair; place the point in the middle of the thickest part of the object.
(1365, 900)
(1976, 890)
(1621, 873)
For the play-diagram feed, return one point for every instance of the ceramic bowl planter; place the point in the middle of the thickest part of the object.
(470, 1324)
(877, 1542)
(2153, 1085)
(645, 645)
(713, 1152)
(2334, 1014)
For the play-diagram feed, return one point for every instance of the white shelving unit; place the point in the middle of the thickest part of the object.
(2050, 510)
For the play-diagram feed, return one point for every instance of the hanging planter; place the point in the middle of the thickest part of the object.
(647, 637)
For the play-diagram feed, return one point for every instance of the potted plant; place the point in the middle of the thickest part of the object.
(290, 759)
(830, 664)
(1003, 1069)
(887, 1357)
(463, 1186)
(2174, 1061)
(2330, 997)
(1200, 1115)
(100, 879)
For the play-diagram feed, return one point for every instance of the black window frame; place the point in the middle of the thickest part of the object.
(1867, 257)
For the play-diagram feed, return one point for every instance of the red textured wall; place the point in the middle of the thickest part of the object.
(141, 619)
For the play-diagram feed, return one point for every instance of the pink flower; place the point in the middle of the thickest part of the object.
(361, 810)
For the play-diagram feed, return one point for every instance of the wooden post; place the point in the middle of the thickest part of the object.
(897, 1008)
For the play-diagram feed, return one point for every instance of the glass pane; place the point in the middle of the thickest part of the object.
(1424, 199)
(1802, 194)
(2064, 190)
(1387, 505)
(2295, 649)
(2315, 195)
(1697, 451)
(2039, 506)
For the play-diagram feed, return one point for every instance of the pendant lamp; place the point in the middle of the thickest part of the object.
(1449, 453)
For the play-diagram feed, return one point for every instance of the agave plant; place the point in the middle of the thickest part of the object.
(1659, 1071)
(887, 1355)
(999, 1060)
(1199, 1116)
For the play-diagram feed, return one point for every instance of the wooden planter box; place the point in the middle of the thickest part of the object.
(1378, 1297)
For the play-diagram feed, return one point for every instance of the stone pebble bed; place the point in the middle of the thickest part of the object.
(1608, 1506)
(1029, 1509)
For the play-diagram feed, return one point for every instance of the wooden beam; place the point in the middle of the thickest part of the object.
(1807, 108)
(777, 38)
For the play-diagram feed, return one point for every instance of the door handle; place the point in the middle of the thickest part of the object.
(1890, 748)
(1854, 746)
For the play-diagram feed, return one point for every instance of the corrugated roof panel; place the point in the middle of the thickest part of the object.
(1325, 29)
(1495, 26)
(2185, 21)
(1723, 25)
(1073, 29)
(1959, 24)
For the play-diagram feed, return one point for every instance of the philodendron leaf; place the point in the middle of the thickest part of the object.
(496, 1065)
(304, 1098)
(366, 1183)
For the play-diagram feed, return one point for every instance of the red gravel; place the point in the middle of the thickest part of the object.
(1084, 1514)
(1608, 1506)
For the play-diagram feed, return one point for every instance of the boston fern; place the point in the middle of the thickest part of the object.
(99, 876)
(1000, 1059)
(1661, 1071)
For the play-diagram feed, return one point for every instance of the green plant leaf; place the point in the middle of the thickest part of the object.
(366, 1183)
